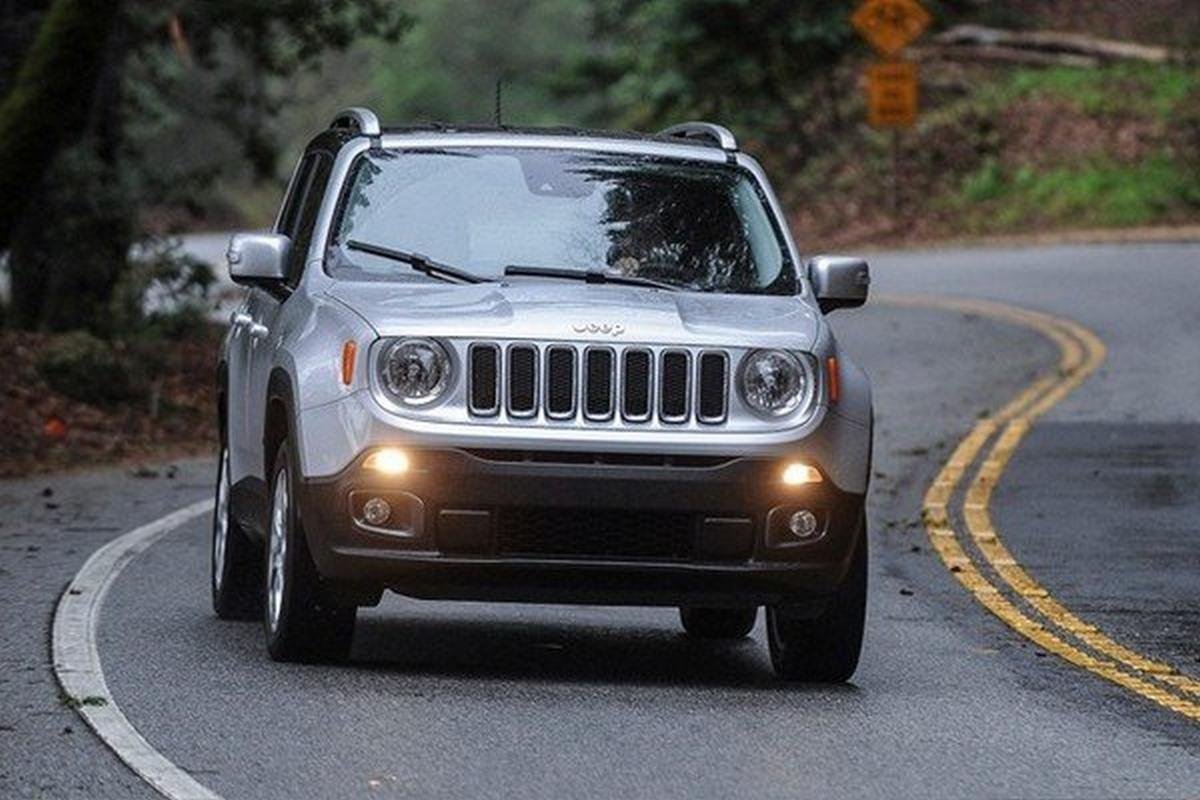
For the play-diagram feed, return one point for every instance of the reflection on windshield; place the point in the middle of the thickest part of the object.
(702, 227)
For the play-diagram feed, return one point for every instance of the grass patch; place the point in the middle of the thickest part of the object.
(75, 703)
(1100, 193)
(1152, 90)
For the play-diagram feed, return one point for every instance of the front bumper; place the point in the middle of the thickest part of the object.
(514, 525)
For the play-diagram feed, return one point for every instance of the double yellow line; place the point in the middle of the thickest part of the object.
(990, 572)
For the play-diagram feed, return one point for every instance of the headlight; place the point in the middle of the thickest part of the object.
(773, 382)
(415, 371)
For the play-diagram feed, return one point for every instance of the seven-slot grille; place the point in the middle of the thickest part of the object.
(598, 383)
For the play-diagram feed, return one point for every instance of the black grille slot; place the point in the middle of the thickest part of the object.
(560, 382)
(595, 533)
(485, 379)
(713, 382)
(673, 392)
(599, 395)
(522, 381)
(636, 394)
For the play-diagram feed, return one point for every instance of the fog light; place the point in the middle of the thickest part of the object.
(798, 474)
(376, 511)
(802, 524)
(388, 461)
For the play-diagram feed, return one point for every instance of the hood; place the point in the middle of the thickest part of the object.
(567, 311)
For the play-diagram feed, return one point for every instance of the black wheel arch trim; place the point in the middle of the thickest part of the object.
(281, 392)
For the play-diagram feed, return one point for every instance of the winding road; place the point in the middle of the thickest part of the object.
(1033, 629)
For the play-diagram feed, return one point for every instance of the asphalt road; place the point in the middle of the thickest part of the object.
(457, 699)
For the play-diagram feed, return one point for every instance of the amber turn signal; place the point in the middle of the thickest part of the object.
(349, 352)
(835, 379)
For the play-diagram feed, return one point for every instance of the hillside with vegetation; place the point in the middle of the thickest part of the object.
(999, 148)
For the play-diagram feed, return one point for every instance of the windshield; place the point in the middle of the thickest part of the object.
(696, 226)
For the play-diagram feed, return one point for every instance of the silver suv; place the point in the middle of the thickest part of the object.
(541, 365)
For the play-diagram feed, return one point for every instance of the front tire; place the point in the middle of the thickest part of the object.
(825, 648)
(299, 621)
(718, 623)
(236, 562)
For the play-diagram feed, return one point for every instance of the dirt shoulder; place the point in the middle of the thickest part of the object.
(46, 431)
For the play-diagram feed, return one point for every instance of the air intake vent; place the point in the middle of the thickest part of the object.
(522, 381)
(560, 382)
(485, 379)
(636, 404)
(714, 381)
(595, 533)
(673, 390)
(599, 390)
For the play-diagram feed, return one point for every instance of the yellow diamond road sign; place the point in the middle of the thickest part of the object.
(890, 25)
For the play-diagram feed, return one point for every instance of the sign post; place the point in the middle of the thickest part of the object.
(893, 93)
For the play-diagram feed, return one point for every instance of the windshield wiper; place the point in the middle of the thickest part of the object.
(589, 276)
(420, 263)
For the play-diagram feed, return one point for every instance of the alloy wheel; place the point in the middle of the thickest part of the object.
(277, 550)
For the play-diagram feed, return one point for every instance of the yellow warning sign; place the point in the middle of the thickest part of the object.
(892, 94)
(890, 25)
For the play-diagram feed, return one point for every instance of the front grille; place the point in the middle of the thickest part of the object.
(714, 378)
(522, 381)
(673, 390)
(598, 383)
(595, 533)
(636, 397)
(560, 382)
(485, 379)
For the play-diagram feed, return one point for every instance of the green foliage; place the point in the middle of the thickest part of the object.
(86, 368)
(446, 68)
(765, 67)
(1125, 89)
(1101, 193)
(1185, 124)
(157, 103)
(236, 78)
(986, 183)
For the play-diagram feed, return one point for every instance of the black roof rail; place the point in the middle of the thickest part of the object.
(360, 119)
(718, 135)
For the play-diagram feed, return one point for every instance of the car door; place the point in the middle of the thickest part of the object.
(245, 447)
(237, 365)
(266, 307)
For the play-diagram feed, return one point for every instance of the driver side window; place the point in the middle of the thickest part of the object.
(286, 224)
(301, 207)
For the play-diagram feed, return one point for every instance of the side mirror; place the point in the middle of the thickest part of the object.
(258, 259)
(839, 281)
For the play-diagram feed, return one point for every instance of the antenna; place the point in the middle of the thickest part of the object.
(499, 94)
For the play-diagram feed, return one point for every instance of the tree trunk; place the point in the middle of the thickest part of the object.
(50, 100)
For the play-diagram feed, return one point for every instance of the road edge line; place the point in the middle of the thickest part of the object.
(76, 657)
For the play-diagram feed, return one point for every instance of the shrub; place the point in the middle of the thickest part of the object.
(163, 294)
(88, 369)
